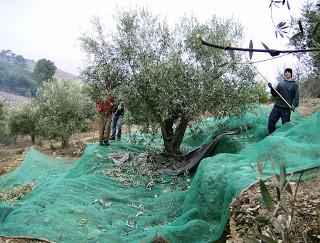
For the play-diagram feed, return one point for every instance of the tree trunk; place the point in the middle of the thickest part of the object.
(33, 138)
(179, 134)
(172, 138)
(65, 142)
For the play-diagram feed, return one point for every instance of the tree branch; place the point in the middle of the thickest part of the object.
(272, 52)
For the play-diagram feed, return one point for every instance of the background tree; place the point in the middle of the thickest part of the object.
(24, 121)
(63, 109)
(170, 78)
(44, 70)
(4, 131)
(307, 35)
(262, 93)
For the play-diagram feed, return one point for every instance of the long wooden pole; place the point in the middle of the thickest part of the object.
(272, 52)
(277, 92)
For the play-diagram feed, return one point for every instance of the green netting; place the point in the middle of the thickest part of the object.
(92, 200)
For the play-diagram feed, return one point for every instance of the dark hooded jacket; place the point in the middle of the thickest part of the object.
(289, 91)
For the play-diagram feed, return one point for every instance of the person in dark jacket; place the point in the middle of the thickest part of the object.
(289, 90)
(117, 121)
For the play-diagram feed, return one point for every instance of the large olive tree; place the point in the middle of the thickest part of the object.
(168, 78)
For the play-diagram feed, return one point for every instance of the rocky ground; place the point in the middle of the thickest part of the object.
(305, 226)
(305, 223)
(304, 210)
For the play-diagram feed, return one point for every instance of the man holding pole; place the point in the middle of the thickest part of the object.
(287, 99)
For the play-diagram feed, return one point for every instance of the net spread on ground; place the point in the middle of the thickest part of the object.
(100, 198)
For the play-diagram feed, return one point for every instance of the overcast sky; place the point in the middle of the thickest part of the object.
(51, 28)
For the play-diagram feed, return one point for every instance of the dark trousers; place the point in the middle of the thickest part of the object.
(275, 115)
(116, 126)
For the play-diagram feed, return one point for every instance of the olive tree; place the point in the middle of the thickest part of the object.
(307, 35)
(63, 109)
(24, 121)
(170, 79)
(44, 70)
(102, 73)
(4, 131)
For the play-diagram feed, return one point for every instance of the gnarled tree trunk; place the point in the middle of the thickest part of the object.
(65, 142)
(172, 138)
(33, 138)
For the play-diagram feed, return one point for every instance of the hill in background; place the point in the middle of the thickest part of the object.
(17, 84)
(13, 100)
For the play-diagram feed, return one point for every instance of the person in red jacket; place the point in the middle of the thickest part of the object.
(104, 106)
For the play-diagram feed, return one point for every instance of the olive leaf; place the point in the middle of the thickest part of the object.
(250, 47)
(266, 197)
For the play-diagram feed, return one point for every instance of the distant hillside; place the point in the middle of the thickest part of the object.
(13, 100)
(17, 77)
(14, 75)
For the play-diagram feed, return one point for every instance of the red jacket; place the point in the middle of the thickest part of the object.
(107, 105)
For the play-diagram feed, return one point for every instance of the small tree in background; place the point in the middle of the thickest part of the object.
(24, 121)
(307, 35)
(4, 131)
(44, 70)
(63, 109)
(261, 92)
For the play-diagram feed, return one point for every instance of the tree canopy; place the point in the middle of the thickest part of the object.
(63, 109)
(307, 35)
(4, 131)
(165, 76)
(24, 121)
(44, 70)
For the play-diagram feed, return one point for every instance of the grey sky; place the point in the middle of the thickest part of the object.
(51, 28)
